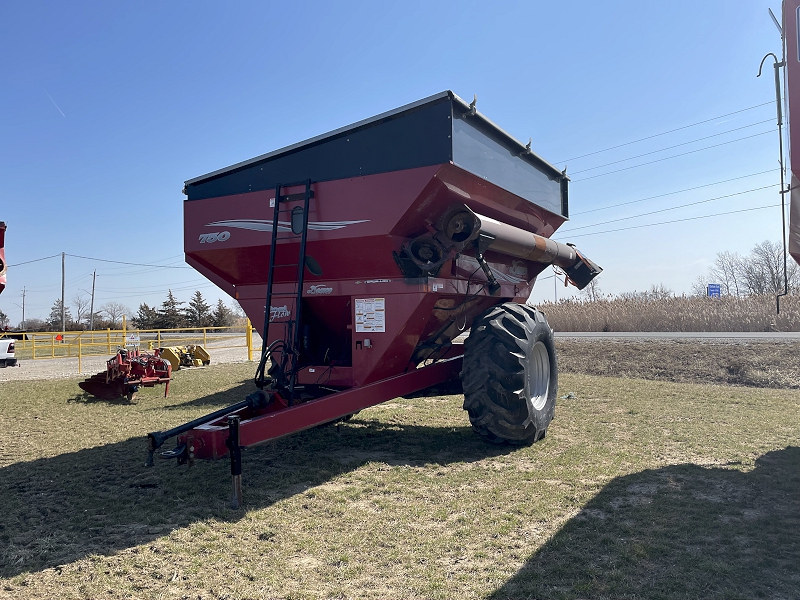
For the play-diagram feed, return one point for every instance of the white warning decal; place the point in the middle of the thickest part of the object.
(371, 314)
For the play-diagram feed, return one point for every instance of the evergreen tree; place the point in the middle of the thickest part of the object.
(3, 320)
(170, 315)
(198, 313)
(146, 317)
(54, 320)
(222, 315)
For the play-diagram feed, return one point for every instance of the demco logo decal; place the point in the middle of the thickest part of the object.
(319, 290)
(278, 312)
(210, 238)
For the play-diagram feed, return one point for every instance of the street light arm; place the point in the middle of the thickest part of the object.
(774, 58)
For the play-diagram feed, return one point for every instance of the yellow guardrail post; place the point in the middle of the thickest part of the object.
(108, 338)
(204, 337)
(158, 338)
(53, 345)
(33, 346)
(249, 338)
(80, 364)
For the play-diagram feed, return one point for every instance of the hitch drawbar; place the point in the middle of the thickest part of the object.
(156, 439)
(266, 416)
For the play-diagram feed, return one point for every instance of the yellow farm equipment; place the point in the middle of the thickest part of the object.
(185, 356)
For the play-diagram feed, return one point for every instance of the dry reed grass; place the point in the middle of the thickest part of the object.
(677, 313)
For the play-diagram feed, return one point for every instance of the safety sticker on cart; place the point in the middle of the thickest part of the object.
(371, 314)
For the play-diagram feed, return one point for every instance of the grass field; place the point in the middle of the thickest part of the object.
(641, 489)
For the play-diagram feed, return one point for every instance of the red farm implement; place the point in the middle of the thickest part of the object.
(126, 372)
(362, 253)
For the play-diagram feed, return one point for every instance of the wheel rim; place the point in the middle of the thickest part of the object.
(538, 375)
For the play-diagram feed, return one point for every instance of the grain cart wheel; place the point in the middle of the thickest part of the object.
(510, 375)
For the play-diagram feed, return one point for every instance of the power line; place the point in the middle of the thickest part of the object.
(108, 269)
(156, 288)
(583, 212)
(676, 155)
(650, 137)
(120, 262)
(164, 291)
(731, 212)
(661, 210)
(708, 137)
(27, 262)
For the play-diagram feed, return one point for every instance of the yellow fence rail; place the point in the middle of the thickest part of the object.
(40, 345)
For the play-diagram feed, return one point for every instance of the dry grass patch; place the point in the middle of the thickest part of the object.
(676, 313)
(740, 363)
(641, 489)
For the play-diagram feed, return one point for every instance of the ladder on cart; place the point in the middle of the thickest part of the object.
(293, 228)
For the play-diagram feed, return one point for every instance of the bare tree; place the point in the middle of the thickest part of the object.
(659, 292)
(656, 292)
(81, 306)
(727, 272)
(763, 269)
(237, 310)
(34, 324)
(114, 311)
(592, 291)
(700, 285)
(757, 274)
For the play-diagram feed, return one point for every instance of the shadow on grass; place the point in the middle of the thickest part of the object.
(679, 532)
(217, 400)
(85, 398)
(102, 500)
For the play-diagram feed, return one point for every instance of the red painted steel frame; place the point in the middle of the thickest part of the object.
(208, 440)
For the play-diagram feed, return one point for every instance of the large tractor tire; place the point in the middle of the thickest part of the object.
(510, 374)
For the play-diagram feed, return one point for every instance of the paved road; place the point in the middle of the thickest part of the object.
(766, 336)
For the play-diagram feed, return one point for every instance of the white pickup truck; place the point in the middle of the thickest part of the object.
(7, 358)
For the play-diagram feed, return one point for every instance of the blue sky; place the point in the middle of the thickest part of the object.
(107, 108)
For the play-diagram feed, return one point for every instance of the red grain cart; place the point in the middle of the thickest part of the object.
(362, 253)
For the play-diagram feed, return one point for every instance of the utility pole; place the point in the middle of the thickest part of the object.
(784, 190)
(555, 287)
(63, 306)
(23, 308)
(91, 308)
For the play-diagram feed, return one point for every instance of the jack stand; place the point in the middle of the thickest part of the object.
(236, 460)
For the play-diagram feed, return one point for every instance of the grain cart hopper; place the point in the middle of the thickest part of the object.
(362, 253)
